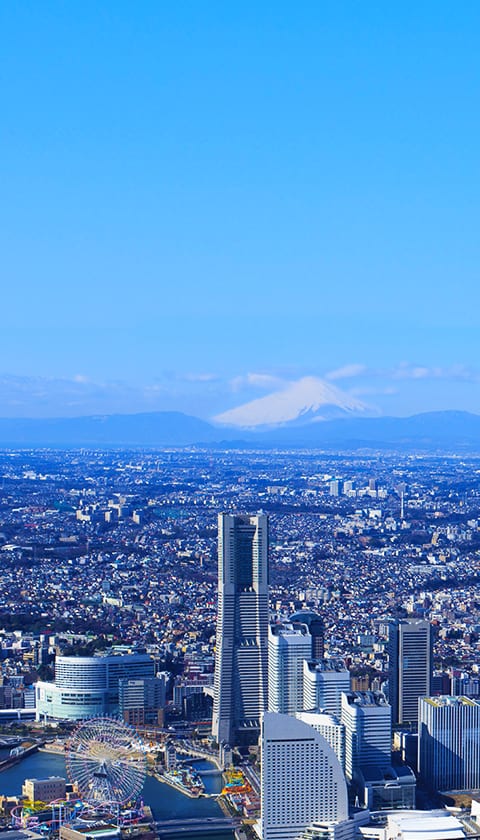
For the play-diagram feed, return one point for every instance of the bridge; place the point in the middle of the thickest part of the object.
(190, 762)
(210, 772)
(209, 826)
(181, 747)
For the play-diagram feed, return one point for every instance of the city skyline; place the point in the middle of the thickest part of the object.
(134, 582)
(203, 208)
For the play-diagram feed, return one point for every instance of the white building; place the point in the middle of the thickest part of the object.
(449, 742)
(368, 732)
(241, 659)
(344, 830)
(330, 727)
(412, 825)
(289, 645)
(86, 686)
(302, 781)
(440, 826)
(323, 685)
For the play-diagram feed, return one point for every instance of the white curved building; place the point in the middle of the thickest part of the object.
(85, 672)
(87, 686)
(330, 727)
(302, 780)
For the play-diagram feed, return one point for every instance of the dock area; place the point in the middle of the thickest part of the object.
(19, 753)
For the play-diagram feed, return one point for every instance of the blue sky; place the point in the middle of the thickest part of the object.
(204, 201)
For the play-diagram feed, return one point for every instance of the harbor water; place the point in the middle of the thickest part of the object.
(166, 802)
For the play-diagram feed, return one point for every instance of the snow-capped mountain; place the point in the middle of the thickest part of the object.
(307, 400)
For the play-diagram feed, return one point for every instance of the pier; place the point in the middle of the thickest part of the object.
(14, 759)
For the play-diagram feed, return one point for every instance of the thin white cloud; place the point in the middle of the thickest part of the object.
(200, 377)
(406, 370)
(153, 389)
(346, 372)
(421, 373)
(263, 381)
(373, 391)
(62, 396)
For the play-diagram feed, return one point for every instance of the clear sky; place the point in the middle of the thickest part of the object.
(202, 200)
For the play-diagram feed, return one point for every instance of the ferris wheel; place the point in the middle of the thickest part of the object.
(105, 759)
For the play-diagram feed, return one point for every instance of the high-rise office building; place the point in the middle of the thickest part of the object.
(368, 753)
(449, 742)
(410, 667)
(367, 718)
(241, 677)
(289, 645)
(335, 487)
(141, 700)
(323, 684)
(301, 782)
(316, 627)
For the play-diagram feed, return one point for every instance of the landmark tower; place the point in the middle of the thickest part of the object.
(241, 679)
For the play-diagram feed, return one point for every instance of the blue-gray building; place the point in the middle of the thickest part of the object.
(449, 742)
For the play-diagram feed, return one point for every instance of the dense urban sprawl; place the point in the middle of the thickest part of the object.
(102, 548)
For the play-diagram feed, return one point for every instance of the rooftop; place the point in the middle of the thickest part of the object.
(446, 700)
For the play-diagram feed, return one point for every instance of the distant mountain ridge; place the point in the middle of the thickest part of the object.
(160, 428)
(444, 430)
(429, 430)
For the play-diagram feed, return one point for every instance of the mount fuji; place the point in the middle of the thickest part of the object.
(307, 400)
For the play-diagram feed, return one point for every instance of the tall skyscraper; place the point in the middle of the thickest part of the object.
(241, 678)
(367, 718)
(449, 742)
(302, 781)
(410, 667)
(289, 645)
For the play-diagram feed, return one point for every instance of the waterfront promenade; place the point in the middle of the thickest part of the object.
(165, 802)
